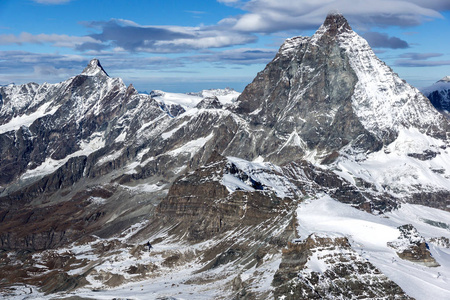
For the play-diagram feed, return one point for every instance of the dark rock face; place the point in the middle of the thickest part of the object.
(203, 208)
(345, 274)
(50, 226)
(305, 94)
(440, 100)
(439, 199)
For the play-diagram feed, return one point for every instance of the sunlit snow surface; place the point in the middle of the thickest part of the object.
(381, 100)
(393, 170)
(369, 234)
(50, 165)
(268, 174)
(26, 120)
(189, 101)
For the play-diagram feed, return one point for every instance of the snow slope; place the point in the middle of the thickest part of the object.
(396, 170)
(369, 235)
(383, 101)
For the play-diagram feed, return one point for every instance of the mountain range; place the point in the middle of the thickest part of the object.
(328, 177)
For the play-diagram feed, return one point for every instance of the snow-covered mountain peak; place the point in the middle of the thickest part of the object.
(445, 79)
(93, 68)
(439, 95)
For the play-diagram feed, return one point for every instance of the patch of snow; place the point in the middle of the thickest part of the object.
(268, 174)
(168, 134)
(185, 100)
(233, 183)
(225, 96)
(191, 147)
(144, 188)
(50, 165)
(393, 170)
(294, 140)
(26, 120)
(121, 137)
(111, 157)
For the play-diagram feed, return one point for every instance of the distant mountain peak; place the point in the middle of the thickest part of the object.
(93, 68)
(445, 79)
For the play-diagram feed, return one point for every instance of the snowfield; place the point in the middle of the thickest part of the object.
(369, 235)
(395, 170)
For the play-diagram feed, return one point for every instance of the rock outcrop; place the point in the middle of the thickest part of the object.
(328, 268)
(413, 247)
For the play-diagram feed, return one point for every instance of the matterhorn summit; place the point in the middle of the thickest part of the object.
(93, 68)
(328, 177)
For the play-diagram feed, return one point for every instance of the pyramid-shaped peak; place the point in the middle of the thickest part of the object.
(93, 68)
(336, 23)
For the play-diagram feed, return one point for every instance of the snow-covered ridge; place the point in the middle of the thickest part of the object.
(396, 168)
(445, 79)
(442, 85)
(382, 101)
(190, 100)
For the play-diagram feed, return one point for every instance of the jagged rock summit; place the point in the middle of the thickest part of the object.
(93, 68)
(300, 188)
(335, 23)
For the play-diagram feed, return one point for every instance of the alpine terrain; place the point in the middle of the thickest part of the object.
(328, 177)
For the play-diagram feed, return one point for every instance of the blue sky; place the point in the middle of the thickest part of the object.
(182, 46)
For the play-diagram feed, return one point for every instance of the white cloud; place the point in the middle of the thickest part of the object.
(57, 40)
(217, 41)
(127, 35)
(277, 15)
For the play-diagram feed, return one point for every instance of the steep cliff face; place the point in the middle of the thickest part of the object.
(304, 98)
